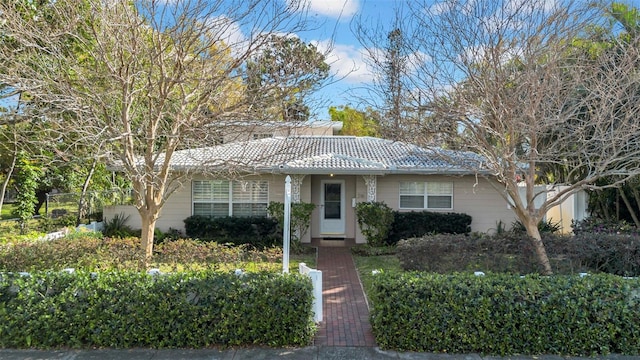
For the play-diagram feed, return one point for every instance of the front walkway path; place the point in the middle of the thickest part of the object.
(345, 309)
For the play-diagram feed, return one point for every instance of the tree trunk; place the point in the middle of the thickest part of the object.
(5, 183)
(85, 186)
(632, 211)
(146, 238)
(538, 245)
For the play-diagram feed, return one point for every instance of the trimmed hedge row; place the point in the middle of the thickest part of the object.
(127, 309)
(257, 231)
(419, 223)
(503, 314)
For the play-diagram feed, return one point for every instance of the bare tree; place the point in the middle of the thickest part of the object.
(512, 77)
(394, 58)
(144, 80)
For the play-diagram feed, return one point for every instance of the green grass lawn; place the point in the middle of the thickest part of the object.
(5, 214)
(367, 264)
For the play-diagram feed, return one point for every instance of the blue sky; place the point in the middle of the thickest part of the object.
(346, 56)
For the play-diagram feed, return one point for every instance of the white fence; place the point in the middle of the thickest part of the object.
(316, 279)
(93, 226)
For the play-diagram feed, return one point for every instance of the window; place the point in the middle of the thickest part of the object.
(220, 198)
(426, 195)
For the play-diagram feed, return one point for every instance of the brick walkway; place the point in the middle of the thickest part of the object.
(346, 314)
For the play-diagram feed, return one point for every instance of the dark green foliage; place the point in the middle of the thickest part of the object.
(257, 231)
(504, 315)
(419, 223)
(375, 220)
(446, 253)
(26, 179)
(547, 226)
(610, 253)
(117, 227)
(300, 220)
(514, 253)
(600, 226)
(128, 309)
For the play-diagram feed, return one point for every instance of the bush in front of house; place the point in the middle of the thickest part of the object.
(446, 253)
(600, 252)
(505, 314)
(131, 309)
(419, 223)
(514, 253)
(92, 252)
(257, 231)
(375, 220)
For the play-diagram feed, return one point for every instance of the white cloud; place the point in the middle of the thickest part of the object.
(228, 31)
(332, 8)
(346, 61)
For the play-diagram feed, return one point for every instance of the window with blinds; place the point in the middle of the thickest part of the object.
(218, 198)
(426, 195)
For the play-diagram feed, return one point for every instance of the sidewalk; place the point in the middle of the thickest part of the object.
(307, 353)
(345, 309)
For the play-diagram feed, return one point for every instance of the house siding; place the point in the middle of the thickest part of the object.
(471, 195)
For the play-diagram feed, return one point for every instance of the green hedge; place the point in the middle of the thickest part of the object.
(419, 223)
(127, 309)
(503, 314)
(257, 231)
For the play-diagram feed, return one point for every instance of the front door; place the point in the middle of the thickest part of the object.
(332, 216)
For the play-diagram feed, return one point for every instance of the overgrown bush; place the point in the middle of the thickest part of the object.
(257, 231)
(610, 253)
(130, 309)
(505, 314)
(514, 253)
(92, 252)
(300, 220)
(419, 223)
(547, 226)
(375, 220)
(190, 254)
(82, 250)
(596, 225)
(446, 253)
(117, 227)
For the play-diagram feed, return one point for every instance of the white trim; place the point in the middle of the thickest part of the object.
(333, 226)
(425, 195)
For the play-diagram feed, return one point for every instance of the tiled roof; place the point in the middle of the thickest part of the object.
(325, 154)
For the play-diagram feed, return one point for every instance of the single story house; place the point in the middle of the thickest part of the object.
(332, 172)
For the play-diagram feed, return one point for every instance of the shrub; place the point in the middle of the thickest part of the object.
(82, 250)
(375, 220)
(446, 253)
(300, 220)
(129, 309)
(367, 250)
(191, 254)
(514, 253)
(610, 253)
(257, 231)
(419, 223)
(504, 315)
(117, 227)
(547, 226)
(596, 225)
